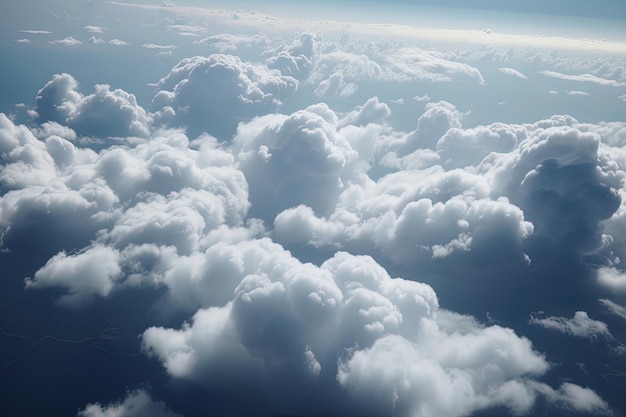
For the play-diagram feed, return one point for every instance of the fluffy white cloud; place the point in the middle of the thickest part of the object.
(48, 189)
(501, 218)
(415, 215)
(290, 321)
(299, 58)
(296, 159)
(215, 93)
(136, 404)
(562, 180)
(438, 118)
(613, 279)
(164, 192)
(459, 148)
(83, 275)
(373, 111)
(103, 113)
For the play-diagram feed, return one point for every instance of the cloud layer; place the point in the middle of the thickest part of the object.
(318, 226)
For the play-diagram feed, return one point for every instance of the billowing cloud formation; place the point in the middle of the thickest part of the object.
(136, 404)
(162, 191)
(299, 58)
(296, 159)
(512, 175)
(209, 93)
(221, 231)
(103, 113)
(291, 322)
(168, 212)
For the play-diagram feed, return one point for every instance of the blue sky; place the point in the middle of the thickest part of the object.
(360, 208)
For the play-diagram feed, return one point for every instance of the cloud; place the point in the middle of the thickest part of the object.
(575, 398)
(579, 326)
(612, 278)
(576, 93)
(539, 172)
(248, 291)
(373, 111)
(613, 308)
(103, 113)
(443, 200)
(87, 274)
(136, 404)
(335, 85)
(226, 42)
(291, 321)
(387, 212)
(512, 72)
(36, 32)
(96, 41)
(155, 209)
(296, 159)
(100, 208)
(485, 37)
(584, 78)
(423, 98)
(69, 41)
(23, 40)
(392, 63)
(460, 148)
(118, 42)
(299, 58)
(157, 46)
(204, 90)
(188, 30)
(95, 29)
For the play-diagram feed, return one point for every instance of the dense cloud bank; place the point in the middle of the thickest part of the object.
(215, 196)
